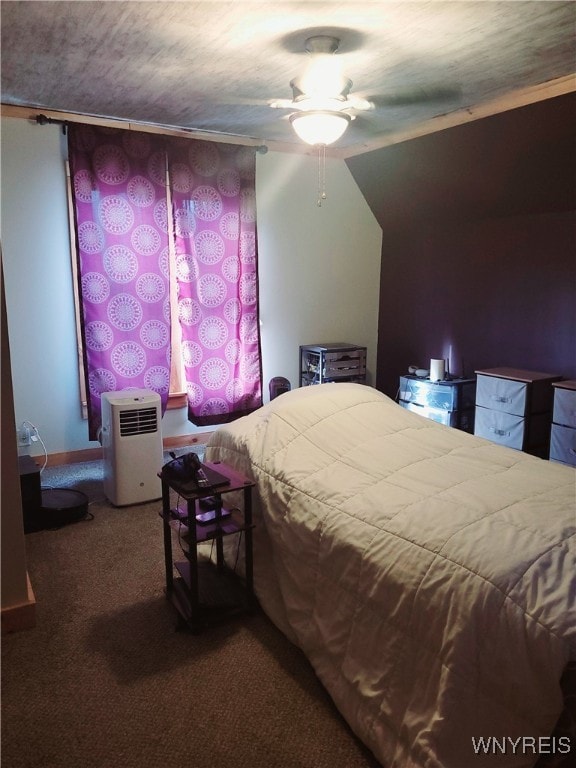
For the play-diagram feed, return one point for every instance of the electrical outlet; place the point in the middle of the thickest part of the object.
(24, 435)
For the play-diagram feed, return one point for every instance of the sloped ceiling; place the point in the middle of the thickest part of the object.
(521, 161)
(213, 67)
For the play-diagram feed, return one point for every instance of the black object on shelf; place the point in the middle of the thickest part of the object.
(188, 475)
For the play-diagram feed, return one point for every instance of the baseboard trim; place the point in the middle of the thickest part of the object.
(15, 618)
(184, 440)
(73, 457)
(93, 454)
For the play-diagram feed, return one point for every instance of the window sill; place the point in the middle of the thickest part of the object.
(177, 400)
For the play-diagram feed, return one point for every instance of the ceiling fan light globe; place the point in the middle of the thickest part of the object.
(319, 126)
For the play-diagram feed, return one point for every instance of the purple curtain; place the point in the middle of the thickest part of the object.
(119, 193)
(214, 210)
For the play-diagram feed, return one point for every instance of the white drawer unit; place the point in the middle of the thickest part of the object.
(449, 402)
(514, 408)
(563, 432)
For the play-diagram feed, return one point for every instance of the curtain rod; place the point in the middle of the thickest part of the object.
(261, 145)
(45, 120)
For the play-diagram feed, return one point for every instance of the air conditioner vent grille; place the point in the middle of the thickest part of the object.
(138, 421)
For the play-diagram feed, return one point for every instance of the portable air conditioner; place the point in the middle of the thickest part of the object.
(131, 446)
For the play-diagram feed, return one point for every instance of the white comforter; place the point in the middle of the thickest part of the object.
(428, 575)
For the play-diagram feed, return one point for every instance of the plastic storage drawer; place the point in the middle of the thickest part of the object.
(463, 420)
(502, 428)
(510, 429)
(347, 364)
(564, 412)
(445, 395)
(563, 444)
(503, 395)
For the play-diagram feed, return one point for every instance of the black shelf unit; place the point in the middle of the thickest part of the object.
(329, 363)
(204, 592)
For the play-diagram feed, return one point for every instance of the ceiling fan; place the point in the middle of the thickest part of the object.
(322, 105)
(321, 98)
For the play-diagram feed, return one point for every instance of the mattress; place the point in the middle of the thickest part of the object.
(429, 575)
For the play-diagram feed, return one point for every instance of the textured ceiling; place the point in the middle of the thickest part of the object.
(214, 66)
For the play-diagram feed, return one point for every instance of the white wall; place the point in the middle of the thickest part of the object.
(319, 266)
(319, 275)
(38, 279)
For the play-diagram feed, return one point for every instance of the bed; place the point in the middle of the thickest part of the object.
(428, 575)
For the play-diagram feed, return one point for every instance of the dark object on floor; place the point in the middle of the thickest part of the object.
(278, 385)
(61, 506)
(31, 492)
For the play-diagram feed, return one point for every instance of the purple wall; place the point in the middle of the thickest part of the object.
(478, 254)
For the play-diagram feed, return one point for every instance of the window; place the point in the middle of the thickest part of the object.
(166, 263)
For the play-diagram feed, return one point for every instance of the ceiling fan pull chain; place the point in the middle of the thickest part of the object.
(321, 174)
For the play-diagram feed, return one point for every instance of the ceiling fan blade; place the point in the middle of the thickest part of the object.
(415, 96)
(280, 103)
(362, 125)
(358, 104)
(241, 101)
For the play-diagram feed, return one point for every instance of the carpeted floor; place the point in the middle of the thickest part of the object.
(106, 681)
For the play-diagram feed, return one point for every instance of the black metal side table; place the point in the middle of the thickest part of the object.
(196, 526)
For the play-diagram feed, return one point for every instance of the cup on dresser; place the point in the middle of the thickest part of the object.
(437, 370)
